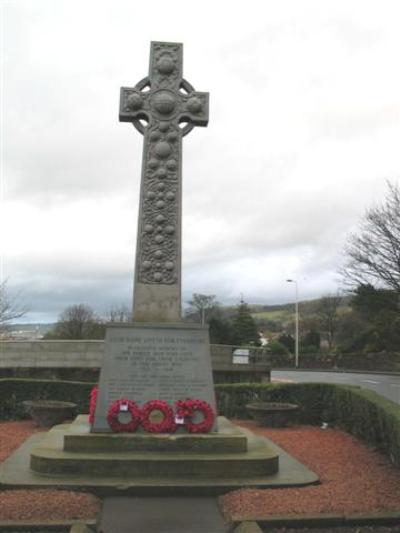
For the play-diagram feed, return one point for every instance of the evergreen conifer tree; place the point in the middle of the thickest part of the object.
(245, 328)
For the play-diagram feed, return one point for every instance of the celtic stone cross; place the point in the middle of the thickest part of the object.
(163, 107)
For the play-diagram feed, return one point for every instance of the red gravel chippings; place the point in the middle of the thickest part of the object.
(354, 479)
(39, 505)
(12, 435)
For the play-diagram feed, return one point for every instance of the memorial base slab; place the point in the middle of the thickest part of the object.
(176, 465)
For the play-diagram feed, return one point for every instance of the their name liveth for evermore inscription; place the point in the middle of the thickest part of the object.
(167, 365)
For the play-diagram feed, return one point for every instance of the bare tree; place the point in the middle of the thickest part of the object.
(328, 315)
(77, 322)
(119, 313)
(373, 254)
(203, 304)
(10, 308)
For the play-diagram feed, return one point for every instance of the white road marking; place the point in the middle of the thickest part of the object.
(394, 384)
(370, 381)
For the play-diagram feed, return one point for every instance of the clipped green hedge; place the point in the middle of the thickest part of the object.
(360, 412)
(14, 391)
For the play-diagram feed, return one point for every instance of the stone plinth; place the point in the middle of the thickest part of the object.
(199, 470)
(207, 456)
(145, 362)
(234, 442)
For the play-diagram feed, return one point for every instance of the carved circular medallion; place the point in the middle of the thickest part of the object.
(194, 105)
(155, 136)
(164, 102)
(162, 150)
(147, 265)
(159, 239)
(161, 186)
(161, 173)
(134, 102)
(158, 276)
(165, 65)
(171, 164)
(148, 228)
(153, 163)
(160, 204)
(169, 265)
(172, 137)
(170, 229)
(170, 196)
(158, 254)
(160, 219)
(151, 195)
(164, 126)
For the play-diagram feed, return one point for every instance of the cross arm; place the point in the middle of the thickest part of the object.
(194, 108)
(134, 105)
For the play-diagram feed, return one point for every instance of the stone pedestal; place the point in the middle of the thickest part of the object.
(145, 362)
(69, 457)
(222, 455)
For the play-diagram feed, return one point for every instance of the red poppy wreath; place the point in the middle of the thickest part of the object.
(92, 404)
(121, 406)
(167, 424)
(186, 409)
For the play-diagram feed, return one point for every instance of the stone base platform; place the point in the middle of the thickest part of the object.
(69, 457)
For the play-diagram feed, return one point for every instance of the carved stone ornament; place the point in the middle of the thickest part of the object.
(163, 107)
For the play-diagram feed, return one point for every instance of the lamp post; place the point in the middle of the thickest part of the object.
(296, 350)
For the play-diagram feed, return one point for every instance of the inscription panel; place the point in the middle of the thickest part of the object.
(144, 363)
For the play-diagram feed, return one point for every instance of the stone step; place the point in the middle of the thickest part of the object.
(198, 461)
(140, 442)
(257, 462)
(15, 472)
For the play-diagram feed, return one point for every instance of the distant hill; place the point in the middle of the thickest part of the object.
(262, 313)
(284, 313)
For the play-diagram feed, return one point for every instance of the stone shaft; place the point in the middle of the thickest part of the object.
(168, 102)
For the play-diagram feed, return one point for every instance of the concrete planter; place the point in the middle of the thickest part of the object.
(47, 413)
(272, 414)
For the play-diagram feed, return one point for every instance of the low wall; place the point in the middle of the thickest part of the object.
(370, 362)
(51, 354)
(82, 360)
(37, 356)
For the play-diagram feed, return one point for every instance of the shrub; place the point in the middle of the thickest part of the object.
(278, 348)
(14, 391)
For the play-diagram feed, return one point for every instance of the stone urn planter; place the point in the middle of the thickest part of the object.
(272, 414)
(47, 413)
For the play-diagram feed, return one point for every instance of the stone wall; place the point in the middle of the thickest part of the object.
(81, 360)
(51, 354)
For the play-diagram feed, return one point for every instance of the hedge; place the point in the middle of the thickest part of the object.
(358, 411)
(14, 391)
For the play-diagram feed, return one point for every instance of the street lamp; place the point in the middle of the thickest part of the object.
(296, 350)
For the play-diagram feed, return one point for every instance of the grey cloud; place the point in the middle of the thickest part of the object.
(354, 123)
(270, 188)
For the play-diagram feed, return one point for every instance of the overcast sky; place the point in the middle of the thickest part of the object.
(304, 129)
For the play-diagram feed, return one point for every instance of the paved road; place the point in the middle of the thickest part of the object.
(386, 385)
